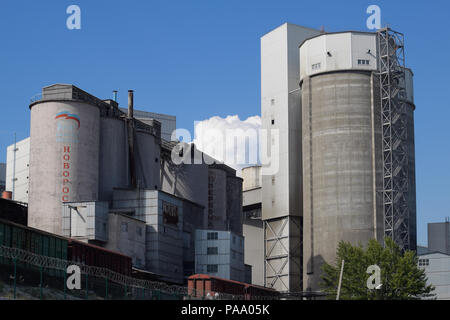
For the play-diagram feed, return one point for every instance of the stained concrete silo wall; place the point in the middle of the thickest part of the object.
(114, 162)
(341, 160)
(147, 157)
(64, 163)
(217, 199)
(234, 204)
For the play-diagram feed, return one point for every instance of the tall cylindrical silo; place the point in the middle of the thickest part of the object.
(64, 150)
(114, 162)
(217, 199)
(234, 203)
(342, 147)
(147, 156)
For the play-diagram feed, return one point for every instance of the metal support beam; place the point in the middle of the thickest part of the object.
(394, 122)
(283, 250)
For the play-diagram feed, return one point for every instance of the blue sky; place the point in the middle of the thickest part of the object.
(197, 59)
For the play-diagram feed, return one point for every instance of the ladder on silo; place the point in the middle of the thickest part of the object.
(394, 123)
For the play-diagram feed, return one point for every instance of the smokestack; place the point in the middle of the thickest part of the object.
(130, 104)
(115, 95)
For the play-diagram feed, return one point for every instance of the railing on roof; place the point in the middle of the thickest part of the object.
(36, 97)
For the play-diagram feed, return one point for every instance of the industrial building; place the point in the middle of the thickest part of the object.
(342, 106)
(437, 271)
(220, 254)
(439, 237)
(18, 169)
(101, 175)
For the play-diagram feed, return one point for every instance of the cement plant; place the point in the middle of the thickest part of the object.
(109, 189)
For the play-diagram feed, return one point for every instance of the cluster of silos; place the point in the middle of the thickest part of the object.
(342, 147)
(81, 148)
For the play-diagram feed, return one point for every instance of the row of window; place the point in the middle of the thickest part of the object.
(365, 62)
(317, 66)
(424, 262)
(213, 236)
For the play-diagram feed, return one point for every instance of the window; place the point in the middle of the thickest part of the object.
(213, 236)
(363, 62)
(424, 262)
(273, 121)
(212, 268)
(213, 250)
(316, 66)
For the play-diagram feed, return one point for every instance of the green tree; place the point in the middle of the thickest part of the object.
(401, 278)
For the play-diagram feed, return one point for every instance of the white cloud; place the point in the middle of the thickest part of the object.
(230, 140)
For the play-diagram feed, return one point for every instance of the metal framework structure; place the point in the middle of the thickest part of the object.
(394, 121)
(283, 253)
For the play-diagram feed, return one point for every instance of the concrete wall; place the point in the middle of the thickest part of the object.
(187, 181)
(193, 219)
(281, 103)
(281, 111)
(439, 237)
(229, 258)
(437, 270)
(18, 168)
(338, 51)
(338, 168)
(234, 204)
(114, 159)
(64, 160)
(251, 178)
(85, 221)
(147, 161)
(164, 241)
(253, 230)
(127, 236)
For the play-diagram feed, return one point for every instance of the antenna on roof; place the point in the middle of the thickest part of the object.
(322, 29)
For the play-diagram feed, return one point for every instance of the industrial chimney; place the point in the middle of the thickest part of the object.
(130, 104)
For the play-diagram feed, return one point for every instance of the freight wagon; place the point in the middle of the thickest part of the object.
(50, 245)
(200, 285)
(36, 241)
(91, 255)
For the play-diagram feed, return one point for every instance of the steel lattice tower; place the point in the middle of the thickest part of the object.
(394, 122)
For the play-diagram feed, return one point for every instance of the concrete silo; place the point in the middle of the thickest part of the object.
(64, 154)
(113, 156)
(344, 146)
